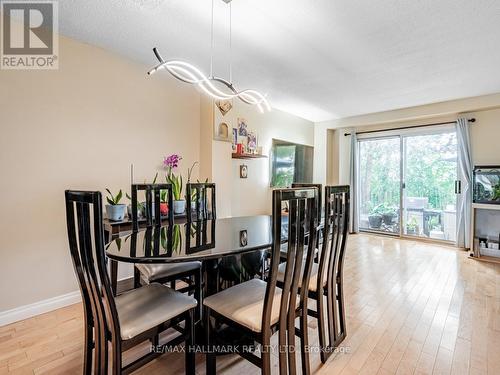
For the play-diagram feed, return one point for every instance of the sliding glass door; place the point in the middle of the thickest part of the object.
(429, 175)
(407, 184)
(379, 184)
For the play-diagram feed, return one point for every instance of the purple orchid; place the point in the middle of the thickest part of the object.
(172, 161)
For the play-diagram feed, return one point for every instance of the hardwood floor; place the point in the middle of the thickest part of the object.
(412, 308)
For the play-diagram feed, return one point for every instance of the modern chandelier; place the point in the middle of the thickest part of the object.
(188, 73)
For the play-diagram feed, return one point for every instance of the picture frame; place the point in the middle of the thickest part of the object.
(242, 127)
(243, 171)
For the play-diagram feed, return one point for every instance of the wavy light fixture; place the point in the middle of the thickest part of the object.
(188, 73)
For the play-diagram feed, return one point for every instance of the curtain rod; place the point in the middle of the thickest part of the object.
(408, 127)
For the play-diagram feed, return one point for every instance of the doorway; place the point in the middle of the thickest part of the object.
(408, 184)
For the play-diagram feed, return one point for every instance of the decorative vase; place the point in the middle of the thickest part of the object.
(116, 212)
(179, 206)
(163, 208)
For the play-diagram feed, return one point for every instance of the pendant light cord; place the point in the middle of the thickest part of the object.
(230, 45)
(212, 44)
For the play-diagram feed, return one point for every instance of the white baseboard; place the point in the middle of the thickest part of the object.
(37, 308)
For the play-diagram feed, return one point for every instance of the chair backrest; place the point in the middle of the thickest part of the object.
(320, 195)
(204, 207)
(301, 223)
(153, 193)
(335, 231)
(86, 243)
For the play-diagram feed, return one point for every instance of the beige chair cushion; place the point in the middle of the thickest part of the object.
(154, 272)
(148, 306)
(244, 304)
(313, 281)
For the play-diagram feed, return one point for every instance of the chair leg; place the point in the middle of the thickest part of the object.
(197, 294)
(320, 308)
(304, 344)
(266, 361)
(211, 361)
(89, 343)
(116, 360)
(190, 357)
(137, 278)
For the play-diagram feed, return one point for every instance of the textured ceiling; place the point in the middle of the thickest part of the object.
(318, 59)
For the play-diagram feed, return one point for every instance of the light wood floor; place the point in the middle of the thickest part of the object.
(413, 308)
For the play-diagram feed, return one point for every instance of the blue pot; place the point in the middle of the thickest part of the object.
(116, 212)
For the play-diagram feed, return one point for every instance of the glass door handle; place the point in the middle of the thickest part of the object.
(458, 187)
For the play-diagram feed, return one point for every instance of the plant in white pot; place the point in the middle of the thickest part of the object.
(141, 206)
(171, 162)
(114, 209)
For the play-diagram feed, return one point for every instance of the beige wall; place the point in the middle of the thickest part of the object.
(332, 160)
(79, 127)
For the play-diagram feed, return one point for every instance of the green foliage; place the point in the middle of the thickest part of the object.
(430, 171)
(177, 185)
(140, 206)
(383, 209)
(284, 166)
(496, 192)
(114, 199)
(412, 224)
(176, 238)
(163, 196)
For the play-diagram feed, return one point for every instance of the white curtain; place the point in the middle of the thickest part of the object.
(465, 176)
(354, 183)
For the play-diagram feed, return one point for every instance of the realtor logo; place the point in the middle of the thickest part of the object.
(29, 35)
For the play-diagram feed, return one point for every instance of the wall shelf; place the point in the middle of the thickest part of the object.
(247, 156)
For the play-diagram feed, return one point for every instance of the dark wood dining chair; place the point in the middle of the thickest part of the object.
(122, 322)
(204, 204)
(326, 281)
(319, 236)
(257, 309)
(189, 272)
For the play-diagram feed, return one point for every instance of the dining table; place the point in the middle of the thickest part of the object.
(194, 241)
(234, 247)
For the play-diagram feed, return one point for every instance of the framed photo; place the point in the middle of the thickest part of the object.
(243, 171)
(242, 127)
(243, 238)
(252, 141)
(235, 138)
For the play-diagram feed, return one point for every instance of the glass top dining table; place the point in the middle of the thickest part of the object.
(200, 240)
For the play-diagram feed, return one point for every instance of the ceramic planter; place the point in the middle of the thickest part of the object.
(388, 217)
(163, 208)
(116, 212)
(129, 211)
(375, 221)
(179, 206)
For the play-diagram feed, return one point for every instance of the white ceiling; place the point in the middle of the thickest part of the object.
(318, 59)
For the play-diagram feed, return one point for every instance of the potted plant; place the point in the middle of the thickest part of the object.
(163, 203)
(375, 217)
(171, 162)
(388, 215)
(114, 209)
(412, 226)
(140, 207)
